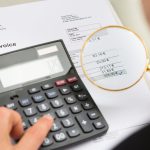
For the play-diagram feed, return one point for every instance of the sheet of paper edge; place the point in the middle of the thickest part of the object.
(114, 13)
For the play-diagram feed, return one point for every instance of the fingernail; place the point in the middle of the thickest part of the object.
(48, 117)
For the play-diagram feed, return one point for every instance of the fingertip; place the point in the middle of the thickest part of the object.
(48, 120)
(48, 117)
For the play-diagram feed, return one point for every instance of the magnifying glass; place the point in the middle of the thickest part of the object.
(114, 58)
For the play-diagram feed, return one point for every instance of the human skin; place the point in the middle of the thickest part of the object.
(146, 8)
(11, 128)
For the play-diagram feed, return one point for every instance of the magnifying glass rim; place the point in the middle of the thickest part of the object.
(120, 27)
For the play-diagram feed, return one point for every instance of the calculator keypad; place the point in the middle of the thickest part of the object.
(57, 103)
(25, 102)
(31, 111)
(70, 99)
(33, 90)
(76, 116)
(73, 132)
(43, 107)
(51, 94)
(11, 106)
(38, 98)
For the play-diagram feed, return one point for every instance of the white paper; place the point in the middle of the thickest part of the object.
(73, 20)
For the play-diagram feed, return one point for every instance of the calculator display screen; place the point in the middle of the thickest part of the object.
(25, 72)
(32, 65)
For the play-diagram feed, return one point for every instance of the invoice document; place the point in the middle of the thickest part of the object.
(73, 20)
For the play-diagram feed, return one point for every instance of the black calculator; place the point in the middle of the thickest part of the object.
(42, 80)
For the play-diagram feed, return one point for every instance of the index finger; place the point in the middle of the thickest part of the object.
(34, 136)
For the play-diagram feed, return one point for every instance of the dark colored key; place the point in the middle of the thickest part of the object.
(73, 132)
(60, 82)
(56, 126)
(43, 107)
(68, 122)
(84, 124)
(25, 102)
(47, 86)
(76, 87)
(65, 90)
(76, 109)
(33, 90)
(47, 142)
(11, 106)
(33, 120)
(94, 114)
(57, 103)
(87, 105)
(30, 111)
(98, 124)
(70, 99)
(25, 125)
(59, 137)
(82, 96)
(37, 98)
(51, 94)
(62, 113)
(72, 79)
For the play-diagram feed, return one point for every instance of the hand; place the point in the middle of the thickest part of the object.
(11, 127)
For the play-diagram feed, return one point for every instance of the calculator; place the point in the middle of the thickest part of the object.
(42, 80)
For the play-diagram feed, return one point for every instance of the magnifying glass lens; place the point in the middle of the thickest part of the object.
(114, 58)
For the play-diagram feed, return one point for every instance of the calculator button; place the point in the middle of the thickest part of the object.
(25, 125)
(70, 99)
(56, 126)
(47, 86)
(84, 124)
(59, 137)
(72, 79)
(47, 142)
(98, 124)
(57, 103)
(60, 82)
(62, 113)
(11, 106)
(51, 94)
(33, 90)
(25, 102)
(76, 87)
(87, 105)
(82, 96)
(93, 114)
(76, 109)
(65, 90)
(43, 107)
(38, 98)
(30, 111)
(33, 120)
(68, 122)
(73, 132)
